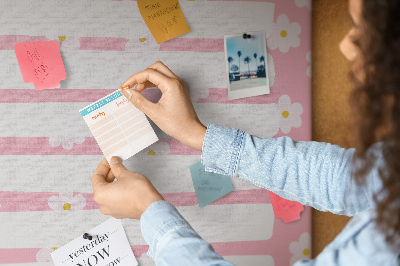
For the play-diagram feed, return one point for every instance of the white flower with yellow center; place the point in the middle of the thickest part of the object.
(284, 34)
(43, 255)
(67, 201)
(289, 114)
(301, 249)
(158, 148)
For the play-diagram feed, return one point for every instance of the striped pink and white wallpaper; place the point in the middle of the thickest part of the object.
(47, 153)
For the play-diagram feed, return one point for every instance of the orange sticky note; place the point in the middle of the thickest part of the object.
(164, 18)
(41, 63)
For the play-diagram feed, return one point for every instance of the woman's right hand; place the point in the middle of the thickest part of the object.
(174, 112)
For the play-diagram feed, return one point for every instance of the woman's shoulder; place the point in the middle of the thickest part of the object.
(362, 241)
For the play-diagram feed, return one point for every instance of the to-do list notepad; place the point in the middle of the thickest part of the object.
(118, 126)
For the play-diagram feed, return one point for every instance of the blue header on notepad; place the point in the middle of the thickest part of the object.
(100, 103)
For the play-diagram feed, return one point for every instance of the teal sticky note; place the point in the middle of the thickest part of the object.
(209, 186)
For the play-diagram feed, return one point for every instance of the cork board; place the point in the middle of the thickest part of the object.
(331, 88)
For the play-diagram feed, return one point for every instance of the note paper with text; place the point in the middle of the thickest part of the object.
(164, 18)
(41, 63)
(108, 246)
(209, 186)
(118, 126)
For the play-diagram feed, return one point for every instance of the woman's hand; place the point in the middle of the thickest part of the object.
(173, 113)
(128, 197)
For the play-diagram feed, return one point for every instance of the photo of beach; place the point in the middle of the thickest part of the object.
(247, 64)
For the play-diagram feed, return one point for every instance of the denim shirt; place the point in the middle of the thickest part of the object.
(312, 173)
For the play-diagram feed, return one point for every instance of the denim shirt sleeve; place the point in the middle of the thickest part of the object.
(172, 241)
(312, 173)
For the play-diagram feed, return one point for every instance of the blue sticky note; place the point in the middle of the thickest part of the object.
(209, 186)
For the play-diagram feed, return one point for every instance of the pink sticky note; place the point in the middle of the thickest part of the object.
(41, 63)
(284, 209)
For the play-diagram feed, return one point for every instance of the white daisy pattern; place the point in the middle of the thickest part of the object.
(300, 249)
(301, 3)
(66, 143)
(284, 34)
(67, 201)
(43, 255)
(289, 114)
(309, 68)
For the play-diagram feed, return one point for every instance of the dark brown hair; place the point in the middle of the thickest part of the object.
(376, 107)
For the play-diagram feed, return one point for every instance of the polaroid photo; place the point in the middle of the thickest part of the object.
(246, 64)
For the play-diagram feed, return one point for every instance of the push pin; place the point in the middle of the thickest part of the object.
(246, 36)
(87, 236)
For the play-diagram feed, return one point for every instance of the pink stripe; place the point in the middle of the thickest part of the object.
(63, 95)
(139, 250)
(47, 96)
(7, 42)
(216, 95)
(177, 148)
(28, 255)
(103, 43)
(41, 146)
(283, 235)
(193, 45)
(18, 255)
(14, 201)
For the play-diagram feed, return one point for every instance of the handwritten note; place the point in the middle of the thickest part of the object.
(288, 211)
(164, 18)
(209, 186)
(108, 246)
(118, 126)
(41, 63)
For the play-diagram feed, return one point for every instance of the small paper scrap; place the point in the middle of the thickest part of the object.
(209, 186)
(118, 126)
(164, 18)
(288, 211)
(108, 246)
(41, 64)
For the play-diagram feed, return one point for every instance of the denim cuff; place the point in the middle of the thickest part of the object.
(222, 147)
(159, 218)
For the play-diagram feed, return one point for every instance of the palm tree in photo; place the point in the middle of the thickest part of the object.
(234, 68)
(230, 59)
(262, 59)
(247, 60)
(255, 58)
(239, 54)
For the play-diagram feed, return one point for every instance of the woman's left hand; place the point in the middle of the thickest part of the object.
(127, 197)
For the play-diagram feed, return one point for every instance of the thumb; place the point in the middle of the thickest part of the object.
(117, 167)
(138, 100)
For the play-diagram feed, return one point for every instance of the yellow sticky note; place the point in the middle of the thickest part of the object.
(164, 18)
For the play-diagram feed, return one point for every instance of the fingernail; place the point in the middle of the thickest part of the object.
(124, 88)
(115, 160)
(129, 93)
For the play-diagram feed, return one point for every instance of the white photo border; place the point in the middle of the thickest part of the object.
(248, 92)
